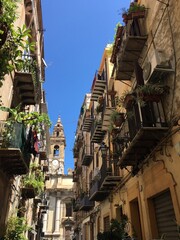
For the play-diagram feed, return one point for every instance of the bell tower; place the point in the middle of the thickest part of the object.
(57, 144)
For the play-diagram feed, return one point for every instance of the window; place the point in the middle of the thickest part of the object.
(56, 150)
(68, 209)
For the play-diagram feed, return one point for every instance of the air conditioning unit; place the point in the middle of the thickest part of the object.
(156, 67)
(96, 174)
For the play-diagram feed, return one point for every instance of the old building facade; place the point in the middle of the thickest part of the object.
(58, 221)
(23, 120)
(128, 169)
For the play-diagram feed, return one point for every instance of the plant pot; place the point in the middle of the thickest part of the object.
(119, 120)
(28, 192)
(126, 17)
(128, 100)
(138, 14)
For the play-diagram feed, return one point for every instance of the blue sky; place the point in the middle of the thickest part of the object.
(76, 33)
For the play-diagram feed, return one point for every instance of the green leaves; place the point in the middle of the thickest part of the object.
(17, 41)
(33, 119)
(34, 180)
(15, 229)
(8, 12)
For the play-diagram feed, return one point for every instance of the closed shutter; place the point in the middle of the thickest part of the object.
(165, 216)
(106, 224)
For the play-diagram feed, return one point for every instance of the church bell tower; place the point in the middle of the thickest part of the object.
(57, 144)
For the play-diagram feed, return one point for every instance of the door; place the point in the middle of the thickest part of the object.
(165, 216)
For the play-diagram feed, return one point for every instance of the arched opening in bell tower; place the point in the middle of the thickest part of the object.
(56, 151)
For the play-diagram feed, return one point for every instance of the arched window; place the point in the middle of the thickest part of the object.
(57, 134)
(56, 150)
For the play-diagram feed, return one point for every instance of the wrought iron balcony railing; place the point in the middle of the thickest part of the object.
(86, 204)
(14, 150)
(97, 134)
(98, 86)
(133, 38)
(145, 128)
(27, 85)
(87, 155)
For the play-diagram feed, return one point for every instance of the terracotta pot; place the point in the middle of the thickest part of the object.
(128, 100)
(138, 14)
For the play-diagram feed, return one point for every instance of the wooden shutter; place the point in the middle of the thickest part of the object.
(106, 224)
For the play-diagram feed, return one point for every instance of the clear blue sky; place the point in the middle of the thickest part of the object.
(76, 33)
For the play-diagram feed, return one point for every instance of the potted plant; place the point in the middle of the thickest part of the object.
(7, 17)
(117, 118)
(125, 15)
(118, 115)
(33, 119)
(15, 228)
(33, 185)
(35, 167)
(136, 10)
(13, 42)
(127, 99)
(150, 92)
(99, 108)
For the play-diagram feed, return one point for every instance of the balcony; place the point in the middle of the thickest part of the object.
(42, 154)
(87, 156)
(87, 123)
(117, 43)
(109, 179)
(96, 194)
(86, 204)
(26, 84)
(132, 43)
(108, 109)
(76, 205)
(14, 158)
(98, 86)
(146, 128)
(28, 192)
(97, 134)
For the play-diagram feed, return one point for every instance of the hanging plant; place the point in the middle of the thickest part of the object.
(34, 120)
(150, 93)
(12, 51)
(34, 181)
(16, 228)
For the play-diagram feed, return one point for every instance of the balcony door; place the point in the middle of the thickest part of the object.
(135, 219)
